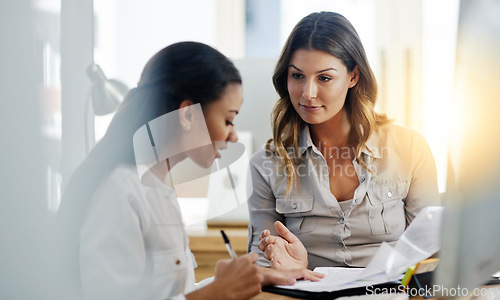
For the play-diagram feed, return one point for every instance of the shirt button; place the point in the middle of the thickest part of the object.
(357, 201)
(362, 179)
(389, 194)
(342, 220)
(177, 262)
(294, 206)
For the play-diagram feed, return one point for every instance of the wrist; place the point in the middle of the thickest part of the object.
(265, 271)
(210, 291)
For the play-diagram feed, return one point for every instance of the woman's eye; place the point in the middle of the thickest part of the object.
(297, 76)
(229, 123)
(325, 78)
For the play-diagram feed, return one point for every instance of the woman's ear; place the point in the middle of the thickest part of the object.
(186, 115)
(354, 77)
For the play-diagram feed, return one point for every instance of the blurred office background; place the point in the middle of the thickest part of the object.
(410, 45)
(47, 45)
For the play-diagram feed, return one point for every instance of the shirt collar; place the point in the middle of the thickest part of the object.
(371, 148)
(305, 140)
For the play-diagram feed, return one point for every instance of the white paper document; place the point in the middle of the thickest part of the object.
(340, 278)
(337, 278)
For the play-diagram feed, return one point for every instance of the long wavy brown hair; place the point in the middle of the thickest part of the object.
(331, 33)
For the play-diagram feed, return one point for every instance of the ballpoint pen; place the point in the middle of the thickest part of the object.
(228, 245)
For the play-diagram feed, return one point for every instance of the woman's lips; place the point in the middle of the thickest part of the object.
(310, 107)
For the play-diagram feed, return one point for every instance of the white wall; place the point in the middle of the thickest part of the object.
(259, 98)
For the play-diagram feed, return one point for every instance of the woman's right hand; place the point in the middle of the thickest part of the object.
(237, 278)
(234, 279)
(285, 251)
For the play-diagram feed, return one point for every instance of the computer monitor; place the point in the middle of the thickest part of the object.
(470, 251)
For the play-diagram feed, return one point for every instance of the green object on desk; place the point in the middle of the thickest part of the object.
(406, 279)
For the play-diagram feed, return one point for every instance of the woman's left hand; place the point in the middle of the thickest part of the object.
(284, 251)
(287, 277)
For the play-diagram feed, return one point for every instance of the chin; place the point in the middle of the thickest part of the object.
(313, 121)
(310, 119)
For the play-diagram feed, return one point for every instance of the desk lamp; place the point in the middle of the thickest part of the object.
(105, 97)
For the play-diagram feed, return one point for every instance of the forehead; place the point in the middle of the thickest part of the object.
(312, 59)
(231, 98)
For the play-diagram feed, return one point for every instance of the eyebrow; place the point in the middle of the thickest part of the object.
(320, 71)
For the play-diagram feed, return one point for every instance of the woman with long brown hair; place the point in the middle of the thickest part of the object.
(339, 175)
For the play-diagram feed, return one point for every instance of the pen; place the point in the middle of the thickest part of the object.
(228, 245)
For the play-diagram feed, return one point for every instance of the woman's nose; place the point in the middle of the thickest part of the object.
(233, 136)
(310, 90)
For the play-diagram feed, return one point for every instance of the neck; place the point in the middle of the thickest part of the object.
(162, 168)
(332, 133)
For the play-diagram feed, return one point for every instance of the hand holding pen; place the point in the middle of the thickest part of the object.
(239, 275)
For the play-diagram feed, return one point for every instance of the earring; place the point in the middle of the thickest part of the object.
(187, 127)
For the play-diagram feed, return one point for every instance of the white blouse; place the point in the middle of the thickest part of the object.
(132, 243)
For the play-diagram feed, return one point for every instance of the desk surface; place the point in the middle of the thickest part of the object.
(210, 240)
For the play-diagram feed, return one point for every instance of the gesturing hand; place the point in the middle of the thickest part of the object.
(285, 251)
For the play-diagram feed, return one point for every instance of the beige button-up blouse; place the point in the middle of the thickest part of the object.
(384, 203)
